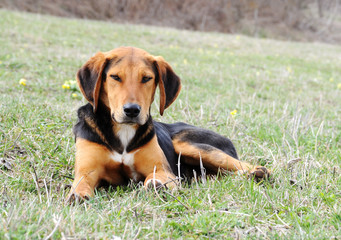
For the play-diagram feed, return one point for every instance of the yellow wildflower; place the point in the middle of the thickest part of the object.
(339, 86)
(185, 61)
(66, 86)
(23, 81)
(289, 69)
(74, 95)
(233, 113)
(331, 79)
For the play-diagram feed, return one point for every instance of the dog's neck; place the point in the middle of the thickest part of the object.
(129, 136)
(125, 132)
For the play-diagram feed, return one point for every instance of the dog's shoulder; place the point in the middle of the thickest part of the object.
(86, 125)
(85, 111)
(96, 127)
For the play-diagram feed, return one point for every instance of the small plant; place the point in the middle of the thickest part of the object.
(23, 82)
(71, 85)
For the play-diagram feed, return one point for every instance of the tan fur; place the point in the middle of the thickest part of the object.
(93, 163)
(129, 90)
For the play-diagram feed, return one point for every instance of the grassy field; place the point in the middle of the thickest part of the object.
(287, 99)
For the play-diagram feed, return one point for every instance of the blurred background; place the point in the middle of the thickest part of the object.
(299, 20)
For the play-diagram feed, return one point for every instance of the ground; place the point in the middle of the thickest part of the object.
(279, 102)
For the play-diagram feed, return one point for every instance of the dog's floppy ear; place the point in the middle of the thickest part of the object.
(169, 83)
(89, 78)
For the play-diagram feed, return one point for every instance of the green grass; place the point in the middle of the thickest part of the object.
(288, 107)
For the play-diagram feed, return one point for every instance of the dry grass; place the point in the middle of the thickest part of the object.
(307, 20)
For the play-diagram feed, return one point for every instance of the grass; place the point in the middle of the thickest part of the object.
(288, 118)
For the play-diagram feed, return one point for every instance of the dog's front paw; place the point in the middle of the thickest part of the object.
(154, 184)
(77, 197)
(259, 173)
(159, 181)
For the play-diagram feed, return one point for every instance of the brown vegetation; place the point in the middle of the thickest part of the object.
(286, 19)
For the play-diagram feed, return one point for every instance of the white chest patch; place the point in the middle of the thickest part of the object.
(125, 134)
(127, 159)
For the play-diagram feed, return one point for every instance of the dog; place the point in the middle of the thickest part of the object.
(117, 140)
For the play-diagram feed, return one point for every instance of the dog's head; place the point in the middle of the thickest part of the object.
(125, 80)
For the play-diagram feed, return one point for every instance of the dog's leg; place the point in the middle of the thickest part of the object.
(214, 159)
(92, 160)
(151, 162)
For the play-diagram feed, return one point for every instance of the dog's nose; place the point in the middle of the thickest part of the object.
(131, 110)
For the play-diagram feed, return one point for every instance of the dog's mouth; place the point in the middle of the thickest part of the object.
(128, 120)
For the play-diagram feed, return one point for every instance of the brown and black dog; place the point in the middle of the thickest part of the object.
(116, 138)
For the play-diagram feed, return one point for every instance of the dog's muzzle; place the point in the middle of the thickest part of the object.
(131, 110)
(131, 114)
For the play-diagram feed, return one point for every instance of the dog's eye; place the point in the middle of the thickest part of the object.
(115, 77)
(146, 79)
